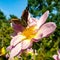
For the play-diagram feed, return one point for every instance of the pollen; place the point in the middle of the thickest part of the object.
(29, 32)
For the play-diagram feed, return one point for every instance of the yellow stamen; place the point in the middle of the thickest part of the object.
(29, 32)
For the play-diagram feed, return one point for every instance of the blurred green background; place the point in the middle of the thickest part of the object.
(47, 47)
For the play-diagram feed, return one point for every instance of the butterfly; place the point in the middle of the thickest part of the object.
(23, 20)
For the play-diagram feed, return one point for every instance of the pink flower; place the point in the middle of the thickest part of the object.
(7, 56)
(35, 30)
(31, 51)
(57, 57)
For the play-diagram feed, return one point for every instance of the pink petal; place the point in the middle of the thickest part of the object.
(17, 27)
(16, 50)
(13, 39)
(31, 21)
(26, 44)
(20, 46)
(45, 30)
(30, 50)
(58, 54)
(9, 48)
(42, 19)
(7, 55)
(55, 57)
(29, 16)
(17, 39)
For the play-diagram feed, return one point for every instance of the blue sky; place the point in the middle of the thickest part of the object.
(15, 7)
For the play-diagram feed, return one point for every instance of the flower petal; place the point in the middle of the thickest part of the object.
(17, 39)
(45, 30)
(30, 51)
(26, 44)
(31, 21)
(9, 48)
(20, 46)
(58, 54)
(16, 50)
(42, 19)
(17, 27)
(28, 16)
(7, 55)
(55, 57)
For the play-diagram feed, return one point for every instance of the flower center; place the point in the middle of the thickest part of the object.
(29, 32)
